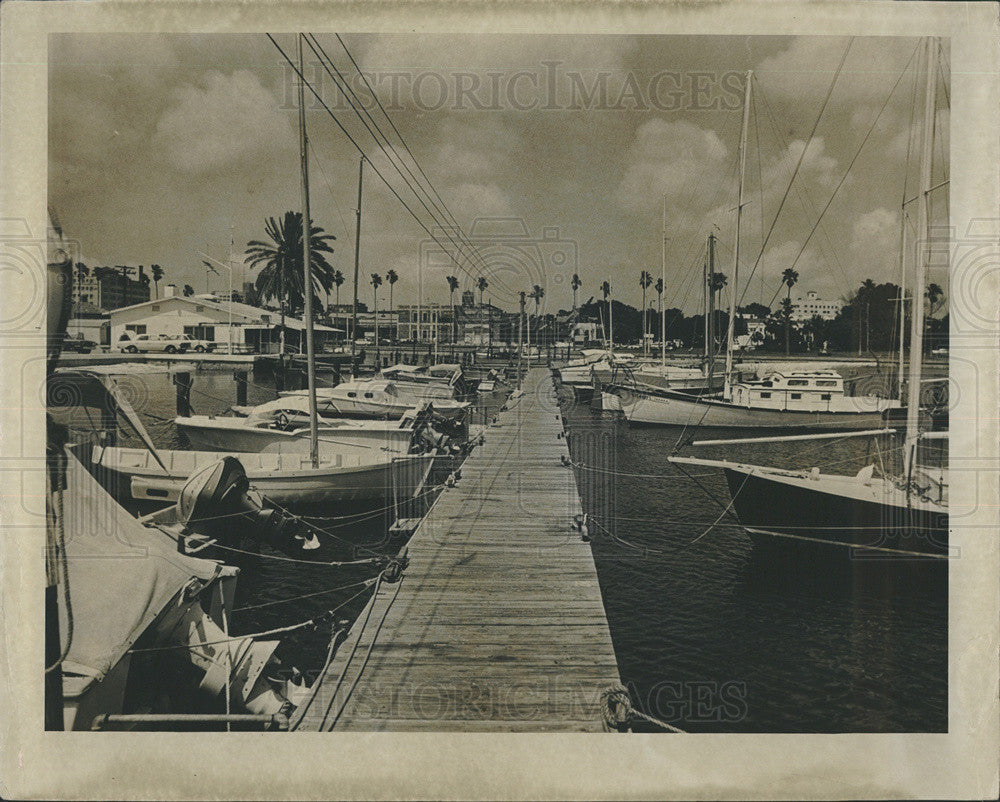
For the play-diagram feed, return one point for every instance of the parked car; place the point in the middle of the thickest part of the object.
(78, 344)
(147, 344)
(200, 346)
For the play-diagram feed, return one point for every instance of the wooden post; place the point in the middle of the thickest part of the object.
(183, 383)
(241, 387)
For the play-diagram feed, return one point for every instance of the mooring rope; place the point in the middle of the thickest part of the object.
(618, 711)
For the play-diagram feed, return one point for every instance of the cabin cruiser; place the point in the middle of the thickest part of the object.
(376, 398)
(783, 400)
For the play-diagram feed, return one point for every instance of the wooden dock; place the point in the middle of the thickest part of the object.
(498, 624)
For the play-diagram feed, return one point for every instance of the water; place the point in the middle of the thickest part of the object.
(713, 636)
(718, 637)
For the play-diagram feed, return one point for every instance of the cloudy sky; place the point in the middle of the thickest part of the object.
(165, 146)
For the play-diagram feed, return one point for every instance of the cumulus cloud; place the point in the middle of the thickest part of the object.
(669, 158)
(222, 120)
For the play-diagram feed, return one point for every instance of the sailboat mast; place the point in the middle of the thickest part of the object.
(357, 263)
(307, 285)
(727, 393)
(663, 285)
(923, 228)
(902, 301)
(611, 324)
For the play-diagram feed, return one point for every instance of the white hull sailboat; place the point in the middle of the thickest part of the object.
(793, 400)
(343, 475)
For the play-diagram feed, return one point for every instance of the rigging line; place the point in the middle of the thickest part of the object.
(348, 234)
(448, 216)
(313, 44)
(861, 147)
(801, 192)
(368, 652)
(361, 151)
(367, 583)
(802, 155)
(369, 606)
(317, 563)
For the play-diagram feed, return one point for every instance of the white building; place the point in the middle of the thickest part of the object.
(587, 332)
(811, 306)
(755, 326)
(203, 317)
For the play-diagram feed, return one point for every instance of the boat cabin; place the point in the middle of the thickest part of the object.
(801, 390)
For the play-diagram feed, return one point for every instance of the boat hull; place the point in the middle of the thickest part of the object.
(675, 409)
(777, 509)
(285, 479)
(232, 434)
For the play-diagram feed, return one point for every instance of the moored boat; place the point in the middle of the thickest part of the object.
(374, 398)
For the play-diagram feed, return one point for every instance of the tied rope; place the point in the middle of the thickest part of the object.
(618, 711)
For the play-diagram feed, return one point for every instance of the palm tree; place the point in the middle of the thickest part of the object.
(645, 281)
(157, 272)
(392, 277)
(482, 284)
(788, 277)
(338, 279)
(282, 276)
(537, 293)
(188, 290)
(452, 286)
(575, 283)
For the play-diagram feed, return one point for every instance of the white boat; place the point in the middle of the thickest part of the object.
(434, 382)
(793, 400)
(283, 425)
(344, 474)
(374, 398)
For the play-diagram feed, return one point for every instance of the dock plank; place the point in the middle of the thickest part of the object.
(498, 624)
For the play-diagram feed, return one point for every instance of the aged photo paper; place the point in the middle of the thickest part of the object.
(624, 427)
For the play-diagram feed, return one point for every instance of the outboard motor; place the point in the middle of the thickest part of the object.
(217, 497)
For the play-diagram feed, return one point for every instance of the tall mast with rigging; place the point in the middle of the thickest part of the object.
(307, 267)
(727, 392)
(923, 229)
(357, 262)
(663, 284)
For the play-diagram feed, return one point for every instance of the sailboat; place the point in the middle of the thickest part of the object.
(792, 400)
(328, 472)
(902, 515)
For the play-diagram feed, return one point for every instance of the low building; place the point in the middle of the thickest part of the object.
(204, 317)
(587, 332)
(810, 306)
(755, 334)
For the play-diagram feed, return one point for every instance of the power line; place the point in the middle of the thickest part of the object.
(355, 103)
(361, 151)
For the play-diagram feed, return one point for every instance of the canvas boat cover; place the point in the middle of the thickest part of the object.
(121, 576)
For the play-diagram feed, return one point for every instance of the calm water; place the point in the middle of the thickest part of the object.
(716, 636)
(711, 636)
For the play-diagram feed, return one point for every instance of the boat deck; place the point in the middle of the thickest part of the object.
(498, 624)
